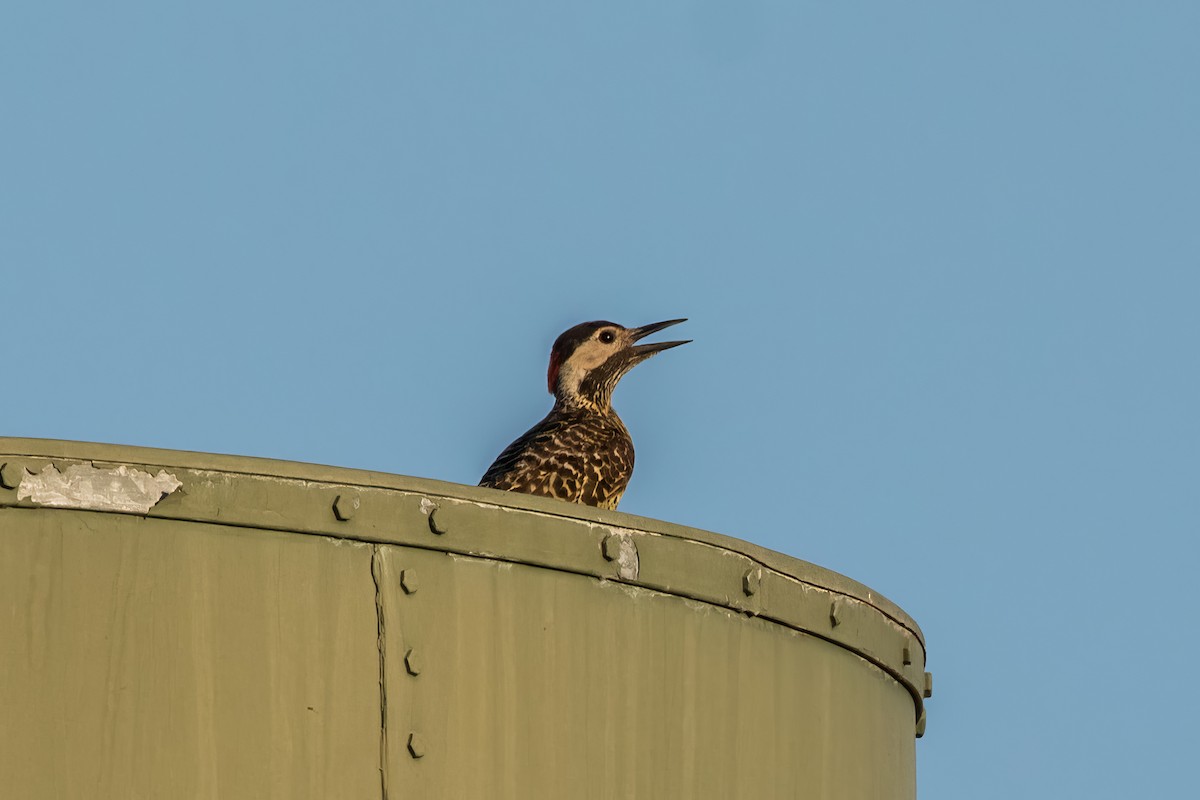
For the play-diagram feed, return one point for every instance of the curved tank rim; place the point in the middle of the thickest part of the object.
(796, 568)
(381, 509)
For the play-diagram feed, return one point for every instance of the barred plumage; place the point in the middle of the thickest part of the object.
(581, 451)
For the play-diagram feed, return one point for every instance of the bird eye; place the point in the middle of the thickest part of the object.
(608, 337)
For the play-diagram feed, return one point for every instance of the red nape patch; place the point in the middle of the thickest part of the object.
(552, 373)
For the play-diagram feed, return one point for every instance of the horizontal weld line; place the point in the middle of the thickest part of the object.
(915, 691)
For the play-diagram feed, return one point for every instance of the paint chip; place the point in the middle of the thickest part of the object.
(84, 486)
(620, 548)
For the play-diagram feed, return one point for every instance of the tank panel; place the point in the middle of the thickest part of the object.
(542, 683)
(157, 658)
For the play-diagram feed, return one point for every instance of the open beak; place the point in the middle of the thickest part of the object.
(647, 350)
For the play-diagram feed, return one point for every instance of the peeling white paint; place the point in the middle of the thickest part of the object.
(635, 591)
(427, 506)
(482, 560)
(84, 486)
(352, 543)
(626, 556)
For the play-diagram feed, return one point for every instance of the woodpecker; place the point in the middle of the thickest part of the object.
(581, 451)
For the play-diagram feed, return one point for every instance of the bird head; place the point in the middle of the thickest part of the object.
(587, 360)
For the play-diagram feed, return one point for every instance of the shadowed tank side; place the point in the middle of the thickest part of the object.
(180, 625)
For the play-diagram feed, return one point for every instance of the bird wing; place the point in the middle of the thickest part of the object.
(520, 457)
(581, 460)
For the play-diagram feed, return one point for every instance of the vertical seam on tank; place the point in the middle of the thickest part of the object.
(381, 644)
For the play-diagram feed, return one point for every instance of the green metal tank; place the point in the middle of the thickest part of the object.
(179, 625)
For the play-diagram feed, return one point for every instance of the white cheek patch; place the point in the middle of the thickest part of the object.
(586, 358)
(590, 355)
(570, 375)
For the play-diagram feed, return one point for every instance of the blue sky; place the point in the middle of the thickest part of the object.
(941, 260)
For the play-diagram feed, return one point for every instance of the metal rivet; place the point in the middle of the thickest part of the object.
(416, 745)
(835, 614)
(928, 685)
(751, 581)
(612, 547)
(11, 474)
(412, 662)
(408, 581)
(435, 523)
(907, 655)
(344, 506)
